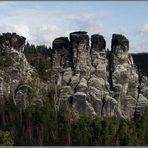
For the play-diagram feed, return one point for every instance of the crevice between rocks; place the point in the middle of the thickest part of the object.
(103, 104)
(136, 114)
(109, 58)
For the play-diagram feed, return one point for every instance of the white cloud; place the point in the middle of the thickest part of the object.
(144, 29)
(41, 26)
(20, 29)
(138, 39)
(143, 33)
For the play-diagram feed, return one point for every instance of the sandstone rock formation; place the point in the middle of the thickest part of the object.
(98, 82)
(18, 79)
(87, 78)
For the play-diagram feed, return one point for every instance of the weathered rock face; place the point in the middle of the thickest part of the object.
(17, 78)
(61, 52)
(8, 40)
(124, 77)
(85, 77)
(98, 82)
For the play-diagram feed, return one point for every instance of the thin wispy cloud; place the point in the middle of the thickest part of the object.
(144, 29)
(41, 26)
(42, 22)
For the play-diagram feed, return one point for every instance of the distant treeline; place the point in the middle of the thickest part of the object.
(141, 60)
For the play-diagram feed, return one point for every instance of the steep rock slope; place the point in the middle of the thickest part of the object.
(18, 80)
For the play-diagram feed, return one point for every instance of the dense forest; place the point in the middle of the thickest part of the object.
(44, 125)
(39, 57)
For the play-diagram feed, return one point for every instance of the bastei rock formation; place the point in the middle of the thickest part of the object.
(18, 79)
(86, 77)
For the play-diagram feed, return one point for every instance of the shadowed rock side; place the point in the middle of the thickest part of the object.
(87, 79)
(8, 40)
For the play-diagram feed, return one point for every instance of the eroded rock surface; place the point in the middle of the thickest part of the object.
(98, 82)
(86, 78)
(18, 79)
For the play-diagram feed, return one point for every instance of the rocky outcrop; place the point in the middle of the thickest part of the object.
(18, 79)
(8, 40)
(86, 78)
(97, 82)
(124, 77)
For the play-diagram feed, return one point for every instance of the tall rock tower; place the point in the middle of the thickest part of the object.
(94, 81)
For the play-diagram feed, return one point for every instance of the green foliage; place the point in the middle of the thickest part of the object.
(36, 114)
(5, 138)
(80, 129)
(39, 57)
(42, 125)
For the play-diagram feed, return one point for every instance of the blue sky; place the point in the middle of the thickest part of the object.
(41, 22)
